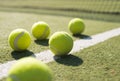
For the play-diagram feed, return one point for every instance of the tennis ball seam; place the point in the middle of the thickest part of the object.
(44, 33)
(16, 40)
(67, 36)
(55, 49)
(58, 51)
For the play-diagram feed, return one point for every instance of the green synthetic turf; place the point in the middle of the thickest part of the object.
(97, 63)
(11, 21)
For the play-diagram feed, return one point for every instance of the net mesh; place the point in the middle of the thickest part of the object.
(93, 9)
(96, 9)
(99, 6)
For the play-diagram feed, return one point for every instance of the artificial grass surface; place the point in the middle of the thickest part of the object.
(11, 21)
(97, 63)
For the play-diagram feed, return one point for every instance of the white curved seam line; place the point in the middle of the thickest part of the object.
(43, 34)
(15, 43)
(55, 49)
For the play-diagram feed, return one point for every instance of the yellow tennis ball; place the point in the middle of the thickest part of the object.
(76, 26)
(29, 69)
(60, 43)
(19, 39)
(40, 30)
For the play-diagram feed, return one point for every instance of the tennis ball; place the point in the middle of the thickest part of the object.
(29, 69)
(40, 30)
(76, 26)
(19, 39)
(60, 43)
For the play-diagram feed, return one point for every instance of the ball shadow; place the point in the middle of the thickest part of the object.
(82, 36)
(42, 42)
(18, 55)
(69, 60)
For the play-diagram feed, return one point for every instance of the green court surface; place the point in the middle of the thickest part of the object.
(11, 21)
(96, 63)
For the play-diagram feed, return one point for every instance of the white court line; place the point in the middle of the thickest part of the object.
(47, 56)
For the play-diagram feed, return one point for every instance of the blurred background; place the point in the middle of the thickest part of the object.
(107, 10)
